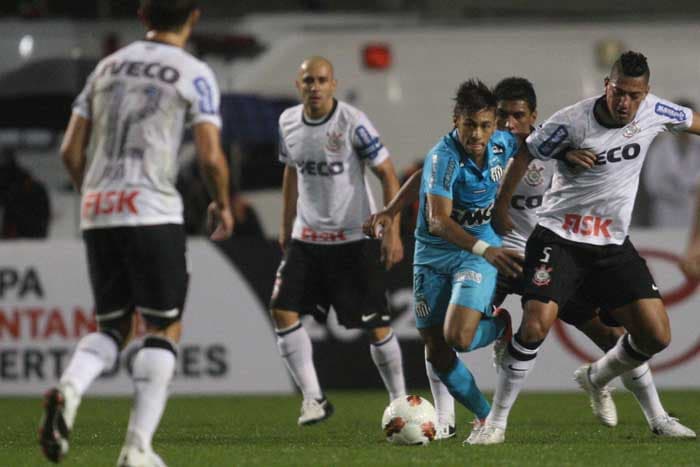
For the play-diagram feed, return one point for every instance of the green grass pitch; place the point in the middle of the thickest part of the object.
(545, 430)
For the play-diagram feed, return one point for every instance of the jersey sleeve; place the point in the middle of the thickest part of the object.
(440, 174)
(675, 118)
(367, 143)
(82, 105)
(551, 137)
(202, 92)
(282, 150)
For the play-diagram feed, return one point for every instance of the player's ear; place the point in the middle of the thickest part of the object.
(606, 81)
(194, 16)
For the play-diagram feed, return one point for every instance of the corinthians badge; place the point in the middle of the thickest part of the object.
(542, 276)
(631, 130)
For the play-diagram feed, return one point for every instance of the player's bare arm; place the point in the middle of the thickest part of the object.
(515, 171)
(694, 128)
(392, 247)
(213, 164)
(73, 148)
(442, 225)
(378, 222)
(289, 205)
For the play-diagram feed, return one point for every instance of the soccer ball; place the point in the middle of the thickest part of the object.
(409, 420)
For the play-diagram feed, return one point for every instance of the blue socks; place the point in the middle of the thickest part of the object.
(488, 331)
(460, 382)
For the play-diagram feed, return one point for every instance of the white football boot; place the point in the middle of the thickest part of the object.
(667, 426)
(477, 425)
(134, 456)
(601, 399)
(487, 434)
(314, 411)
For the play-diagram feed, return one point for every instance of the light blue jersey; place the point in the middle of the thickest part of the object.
(443, 272)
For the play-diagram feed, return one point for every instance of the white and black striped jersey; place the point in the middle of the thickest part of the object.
(330, 157)
(595, 206)
(138, 101)
(527, 201)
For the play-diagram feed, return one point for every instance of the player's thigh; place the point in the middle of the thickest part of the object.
(156, 257)
(109, 278)
(355, 281)
(297, 281)
(431, 297)
(553, 268)
(460, 325)
(621, 278)
(473, 284)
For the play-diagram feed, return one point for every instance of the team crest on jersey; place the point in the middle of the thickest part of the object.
(534, 175)
(542, 276)
(631, 130)
(498, 149)
(496, 173)
(335, 141)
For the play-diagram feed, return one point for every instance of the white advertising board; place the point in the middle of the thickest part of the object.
(45, 307)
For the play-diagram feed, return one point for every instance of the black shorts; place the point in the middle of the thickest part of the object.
(142, 267)
(608, 276)
(349, 276)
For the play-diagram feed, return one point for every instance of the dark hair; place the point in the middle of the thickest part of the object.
(167, 15)
(473, 96)
(516, 89)
(632, 64)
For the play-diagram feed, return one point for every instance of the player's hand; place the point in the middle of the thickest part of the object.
(501, 221)
(219, 221)
(391, 249)
(376, 224)
(579, 160)
(508, 262)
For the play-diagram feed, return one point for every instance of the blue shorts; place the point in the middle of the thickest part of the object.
(458, 278)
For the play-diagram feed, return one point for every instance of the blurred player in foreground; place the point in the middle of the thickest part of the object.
(120, 150)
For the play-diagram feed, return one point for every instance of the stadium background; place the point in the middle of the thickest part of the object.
(398, 60)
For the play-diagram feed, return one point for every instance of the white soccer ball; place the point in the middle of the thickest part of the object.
(409, 420)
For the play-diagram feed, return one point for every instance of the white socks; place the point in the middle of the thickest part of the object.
(94, 353)
(640, 382)
(518, 361)
(386, 355)
(443, 400)
(618, 360)
(153, 368)
(295, 348)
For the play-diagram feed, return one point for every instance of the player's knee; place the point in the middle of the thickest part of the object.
(283, 319)
(459, 339)
(118, 329)
(378, 334)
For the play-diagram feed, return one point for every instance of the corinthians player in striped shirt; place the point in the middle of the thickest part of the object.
(517, 112)
(581, 240)
(120, 150)
(327, 146)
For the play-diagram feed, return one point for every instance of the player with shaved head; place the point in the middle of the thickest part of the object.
(327, 146)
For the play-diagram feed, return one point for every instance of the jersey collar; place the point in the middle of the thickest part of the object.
(327, 117)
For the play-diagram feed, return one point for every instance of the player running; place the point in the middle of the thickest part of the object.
(517, 112)
(457, 251)
(327, 145)
(120, 149)
(581, 242)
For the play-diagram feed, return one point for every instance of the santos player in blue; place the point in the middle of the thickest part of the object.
(457, 252)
